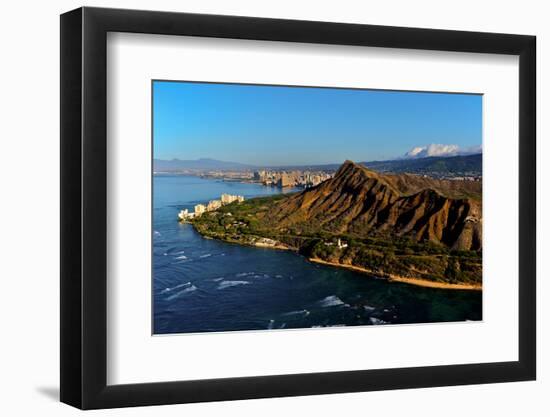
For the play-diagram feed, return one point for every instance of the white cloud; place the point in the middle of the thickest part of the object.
(436, 149)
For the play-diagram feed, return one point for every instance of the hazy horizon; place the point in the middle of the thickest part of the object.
(299, 164)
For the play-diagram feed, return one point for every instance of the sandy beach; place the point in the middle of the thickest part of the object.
(413, 281)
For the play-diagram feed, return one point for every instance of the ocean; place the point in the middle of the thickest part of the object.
(204, 285)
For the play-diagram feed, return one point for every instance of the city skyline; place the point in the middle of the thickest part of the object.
(277, 125)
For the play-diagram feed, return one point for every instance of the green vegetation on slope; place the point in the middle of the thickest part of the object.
(249, 223)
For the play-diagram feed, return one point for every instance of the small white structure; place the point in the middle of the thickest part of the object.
(185, 215)
(342, 245)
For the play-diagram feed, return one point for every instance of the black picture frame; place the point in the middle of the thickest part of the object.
(84, 207)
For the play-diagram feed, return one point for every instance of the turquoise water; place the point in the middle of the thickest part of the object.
(203, 285)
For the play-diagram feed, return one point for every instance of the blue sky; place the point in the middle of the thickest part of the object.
(271, 125)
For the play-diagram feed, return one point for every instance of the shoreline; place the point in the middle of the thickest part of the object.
(419, 282)
(277, 246)
(397, 278)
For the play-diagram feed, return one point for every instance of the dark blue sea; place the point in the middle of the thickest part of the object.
(203, 285)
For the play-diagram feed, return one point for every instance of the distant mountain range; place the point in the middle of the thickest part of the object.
(202, 164)
(430, 165)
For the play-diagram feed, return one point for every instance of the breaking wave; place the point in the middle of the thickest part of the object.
(376, 321)
(244, 274)
(182, 292)
(227, 284)
(169, 289)
(297, 313)
(332, 301)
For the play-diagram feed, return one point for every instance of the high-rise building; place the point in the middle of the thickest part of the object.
(259, 175)
(213, 205)
(228, 198)
(199, 209)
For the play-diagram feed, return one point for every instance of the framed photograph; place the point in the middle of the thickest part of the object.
(257, 208)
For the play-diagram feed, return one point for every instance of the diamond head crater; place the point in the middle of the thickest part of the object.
(402, 227)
